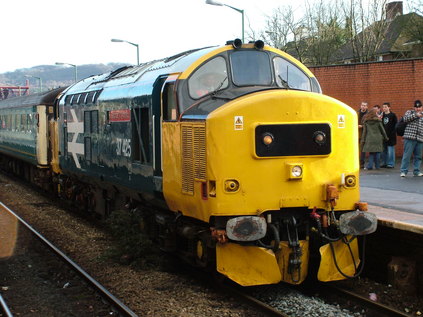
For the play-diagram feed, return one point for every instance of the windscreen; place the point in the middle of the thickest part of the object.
(251, 68)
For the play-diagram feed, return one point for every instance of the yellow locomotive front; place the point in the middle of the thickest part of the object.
(269, 164)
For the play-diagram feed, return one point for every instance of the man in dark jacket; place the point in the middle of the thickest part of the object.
(413, 140)
(389, 120)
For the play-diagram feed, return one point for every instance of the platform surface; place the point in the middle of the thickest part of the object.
(397, 201)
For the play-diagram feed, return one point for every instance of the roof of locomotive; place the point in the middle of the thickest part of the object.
(44, 98)
(143, 72)
(183, 63)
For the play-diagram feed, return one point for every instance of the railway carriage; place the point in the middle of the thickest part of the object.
(25, 138)
(231, 155)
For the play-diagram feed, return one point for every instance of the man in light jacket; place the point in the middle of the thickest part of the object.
(413, 140)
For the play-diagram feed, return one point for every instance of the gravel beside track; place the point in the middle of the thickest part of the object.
(148, 292)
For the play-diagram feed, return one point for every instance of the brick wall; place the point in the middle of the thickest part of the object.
(397, 82)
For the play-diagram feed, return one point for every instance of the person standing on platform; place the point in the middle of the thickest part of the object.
(378, 111)
(372, 139)
(413, 140)
(389, 120)
(363, 110)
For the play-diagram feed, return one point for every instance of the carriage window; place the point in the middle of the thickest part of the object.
(210, 77)
(251, 68)
(290, 76)
(169, 103)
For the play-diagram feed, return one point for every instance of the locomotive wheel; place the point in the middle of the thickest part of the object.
(203, 253)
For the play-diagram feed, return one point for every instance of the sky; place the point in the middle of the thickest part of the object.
(43, 32)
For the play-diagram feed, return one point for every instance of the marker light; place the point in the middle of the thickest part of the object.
(231, 185)
(319, 137)
(350, 181)
(267, 139)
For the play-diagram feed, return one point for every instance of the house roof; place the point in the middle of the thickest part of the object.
(393, 41)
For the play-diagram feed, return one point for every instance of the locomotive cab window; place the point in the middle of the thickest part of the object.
(210, 77)
(251, 68)
(170, 112)
(290, 76)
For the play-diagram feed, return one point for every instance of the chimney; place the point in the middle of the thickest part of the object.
(393, 9)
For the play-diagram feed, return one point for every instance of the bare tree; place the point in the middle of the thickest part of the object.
(286, 32)
(367, 27)
(326, 33)
(278, 31)
(330, 30)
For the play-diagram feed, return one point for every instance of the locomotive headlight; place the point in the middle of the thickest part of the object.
(267, 139)
(319, 137)
(246, 228)
(295, 170)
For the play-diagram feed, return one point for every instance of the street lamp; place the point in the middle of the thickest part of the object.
(216, 3)
(73, 65)
(39, 78)
(136, 45)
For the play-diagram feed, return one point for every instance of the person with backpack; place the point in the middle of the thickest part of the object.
(413, 140)
(389, 120)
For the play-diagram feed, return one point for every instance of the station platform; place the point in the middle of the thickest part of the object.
(396, 201)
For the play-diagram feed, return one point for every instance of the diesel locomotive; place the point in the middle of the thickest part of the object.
(231, 155)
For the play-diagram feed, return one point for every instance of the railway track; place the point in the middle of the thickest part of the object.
(117, 307)
(356, 304)
(258, 305)
(377, 308)
(4, 309)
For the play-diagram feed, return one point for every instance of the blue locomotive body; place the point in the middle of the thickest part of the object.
(110, 126)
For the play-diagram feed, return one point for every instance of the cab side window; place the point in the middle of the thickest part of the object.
(170, 112)
(210, 77)
(290, 76)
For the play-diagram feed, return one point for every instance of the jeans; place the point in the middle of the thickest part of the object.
(388, 155)
(374, 157)
(412, 147)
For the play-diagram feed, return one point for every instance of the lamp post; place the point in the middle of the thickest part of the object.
(39, 78)
(216, 3)
(73, 65)
(134, 44)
